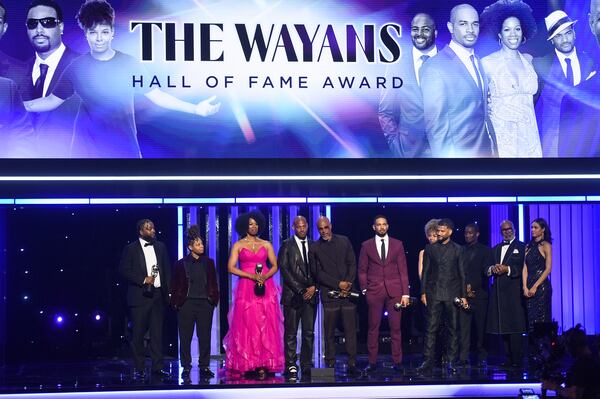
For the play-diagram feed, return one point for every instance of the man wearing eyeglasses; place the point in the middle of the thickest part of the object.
(45, 28)
(506, 313)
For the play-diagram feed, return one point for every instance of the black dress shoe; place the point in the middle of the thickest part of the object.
(353, 371)
(462, 363)
(398, 367)
(205, 372)
(330, 364)
(451, 367)
(186, 372)
(292, 373)
(482, 364)
(139, 374)
(161, 373)
(371, 368)
(306, 373)
(425, 367)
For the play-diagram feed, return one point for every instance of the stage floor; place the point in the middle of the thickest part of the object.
(113, 378)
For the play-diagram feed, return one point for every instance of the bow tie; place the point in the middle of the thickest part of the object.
(148, 244)
(505, 242)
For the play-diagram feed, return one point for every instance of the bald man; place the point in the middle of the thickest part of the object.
(298, 298)
(579, 121)
(401, 110)
(455, 94)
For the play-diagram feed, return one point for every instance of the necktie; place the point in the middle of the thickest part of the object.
(424, 58)
(570, 77)
(479, 81)
(148, 244)
(304, 256)
(38, 88)
(382, 250)
(505, 242)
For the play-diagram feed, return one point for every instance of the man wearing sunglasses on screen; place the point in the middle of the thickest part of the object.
(45, 27)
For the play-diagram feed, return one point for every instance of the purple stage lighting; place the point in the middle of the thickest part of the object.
(58, 319)
(97, 317)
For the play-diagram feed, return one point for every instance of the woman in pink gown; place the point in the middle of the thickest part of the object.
(254, 342)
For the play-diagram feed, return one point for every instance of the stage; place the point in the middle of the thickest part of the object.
(113, 378)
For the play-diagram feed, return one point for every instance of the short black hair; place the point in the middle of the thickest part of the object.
(94, 12)
(241, 223)
(474, 226)
(379, 217)
(447, 223)
(3, 7)
(141, 223)
(47, 3)
(193, 234)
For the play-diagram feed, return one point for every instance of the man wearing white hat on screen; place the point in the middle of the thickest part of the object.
(558, 72)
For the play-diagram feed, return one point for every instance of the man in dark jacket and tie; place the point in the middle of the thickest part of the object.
(443, 281)
(506, 313)
(146, 268)
(383, 277)
(299, 298)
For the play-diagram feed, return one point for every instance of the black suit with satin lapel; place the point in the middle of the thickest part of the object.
(296, 278)
(401, 111)
(15, 126)
(146, 313)
(54, 129)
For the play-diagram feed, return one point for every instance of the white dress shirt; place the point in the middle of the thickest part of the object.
(150, 256)
(299, 244)
(464, 55)
(52, 62)
(502, 254)
(418, 61)
(386, 243)
(574, 64)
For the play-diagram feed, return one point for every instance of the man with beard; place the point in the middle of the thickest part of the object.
(558, 73)
(334, 261)
(45, 27)
(579, 117)
(383, 277)
(10, 67)
(298, 299)
(443, 281)
(506, 313)
(455, 94)
(146, 268)
(478, 258)
(401, 110)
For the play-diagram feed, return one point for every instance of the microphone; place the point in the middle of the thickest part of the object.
(259, 288)
(459, 304)
(398, 305)
(149, 288)
(335, 294)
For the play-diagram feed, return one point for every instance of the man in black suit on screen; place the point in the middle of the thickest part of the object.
(146, 268)
(401, 110)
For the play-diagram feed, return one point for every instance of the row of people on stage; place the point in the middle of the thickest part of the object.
(262, 337)
(71, 100)
(507, 104)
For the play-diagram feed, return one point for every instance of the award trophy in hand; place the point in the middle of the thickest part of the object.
(149, 288)
(259, 288)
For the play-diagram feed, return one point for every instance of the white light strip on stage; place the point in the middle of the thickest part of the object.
(199, 200)
(244, 178)
(52, 201)
(342, 200)
(411, 200)
(271, 200)
(521, 222)
(481, 199)
(310, 392)
(124, 201)
(7, 201)
(550, 198)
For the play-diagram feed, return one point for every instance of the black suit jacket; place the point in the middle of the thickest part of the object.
(133, 270)
(15, 70)
(296, 276)
(444, 272)
(54, 129)
(506, 314)
(478, 259)
(401, 111)
(16, 131)
(334, 261)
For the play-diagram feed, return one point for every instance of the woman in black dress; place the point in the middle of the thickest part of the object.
(538, 264)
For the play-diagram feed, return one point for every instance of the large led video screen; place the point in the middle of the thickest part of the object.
(299, 79)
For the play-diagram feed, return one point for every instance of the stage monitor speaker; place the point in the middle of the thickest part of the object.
(322, 374)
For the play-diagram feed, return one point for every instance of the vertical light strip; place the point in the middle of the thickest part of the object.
(319, 346)
(294, 209)
(521, 222)
(179, 232)
(498, 213)
(212, 241)
(233, 279)
(328, 212)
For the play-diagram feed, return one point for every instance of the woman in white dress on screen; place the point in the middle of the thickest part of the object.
(512, 81)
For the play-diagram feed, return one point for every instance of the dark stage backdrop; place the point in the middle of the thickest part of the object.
(296, 100)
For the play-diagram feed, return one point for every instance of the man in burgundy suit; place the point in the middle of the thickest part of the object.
(383, 276)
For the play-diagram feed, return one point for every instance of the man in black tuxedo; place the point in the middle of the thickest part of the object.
(10, 67)
(558, 73)
(579, 116)
(298, 298)
(334, 261)
(401, 110)
(146, 268)
(478, 258)
(54, 129)
(506, 313)
(15, 127)
(443, 280)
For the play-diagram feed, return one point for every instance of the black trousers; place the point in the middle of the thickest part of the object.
(471, 324)
(513, 347)
(198, 313)
(331, 313)
(291, 318)
(148, 317)
(438, 311)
